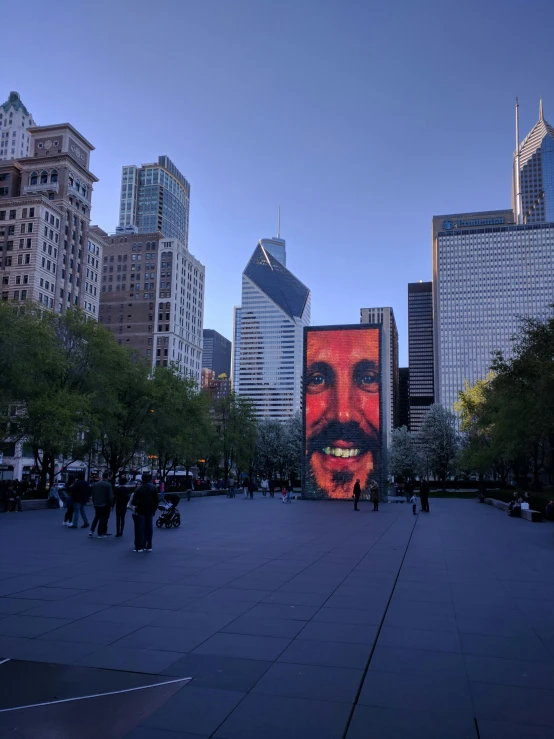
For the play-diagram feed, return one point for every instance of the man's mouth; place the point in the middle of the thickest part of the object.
(335, 451)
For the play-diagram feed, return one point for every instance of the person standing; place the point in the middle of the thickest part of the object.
(374, 495)
(80, 494)
(121, 499)
(251, 488)
(413, 501)
(264, 485)
(357, 493)
(289, 491)
(424, 491)
(145, 501)
(245, 486)
(102, 498)
(272, 488)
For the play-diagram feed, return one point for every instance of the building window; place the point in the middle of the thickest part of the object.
(34, 178)
(54, 176)
(43, 178)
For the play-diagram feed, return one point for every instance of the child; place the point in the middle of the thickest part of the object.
(413, 501)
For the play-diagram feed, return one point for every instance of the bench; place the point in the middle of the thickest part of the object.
(533, 516)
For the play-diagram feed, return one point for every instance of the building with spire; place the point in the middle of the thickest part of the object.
(268, 334)
(533, 173)
(15, 120)
(492, 269)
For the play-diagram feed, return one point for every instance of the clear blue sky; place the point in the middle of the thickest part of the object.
(361, 118)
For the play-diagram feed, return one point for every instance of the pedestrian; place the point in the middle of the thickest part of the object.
(357, 493)
(121, 499)
(424, 491)
(102, 498)
(69, 507)
(374, 495)
(162, 491)
(264, 485)
(245, 485)
(145, 502)
(413, 501)
(80, 494)
(272, 488)
(231, 489)
(289, 491)
(251, 488)
(284, 494)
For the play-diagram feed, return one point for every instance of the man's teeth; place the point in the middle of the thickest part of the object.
(335, 451)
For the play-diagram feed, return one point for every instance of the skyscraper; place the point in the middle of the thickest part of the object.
(15, 121)
(533, 173)
(488, 274)
(420, 351)
(268, 336)
(155, 197)
(216, 352)
(46, 252)
(389, 353)
(404, 397)
(153, 299)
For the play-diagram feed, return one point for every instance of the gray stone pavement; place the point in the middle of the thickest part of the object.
(294, 621)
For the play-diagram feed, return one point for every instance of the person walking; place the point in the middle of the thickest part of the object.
(121, 499)
(424, 491)
(231, 481)
(374, 495)
(80, 494)
(145, 501)
(357, 493)
(245, 485)
(102, 498)
(413, 501)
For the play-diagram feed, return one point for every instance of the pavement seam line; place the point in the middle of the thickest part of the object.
(366, 670)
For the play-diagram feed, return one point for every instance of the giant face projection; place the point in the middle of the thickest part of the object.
(342, 409)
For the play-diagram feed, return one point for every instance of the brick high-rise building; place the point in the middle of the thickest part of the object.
(45, 201)
(153, 299)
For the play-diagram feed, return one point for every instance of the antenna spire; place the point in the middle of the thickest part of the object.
(517, 172)
(541, 114)
(279, 222)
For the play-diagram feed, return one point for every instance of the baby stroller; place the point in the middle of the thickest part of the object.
(169, 515)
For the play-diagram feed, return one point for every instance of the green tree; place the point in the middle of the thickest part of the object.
(235, 433)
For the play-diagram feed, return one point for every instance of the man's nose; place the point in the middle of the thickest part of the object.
(344, 409)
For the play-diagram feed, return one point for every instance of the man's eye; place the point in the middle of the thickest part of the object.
(369, 381)
(316, 383)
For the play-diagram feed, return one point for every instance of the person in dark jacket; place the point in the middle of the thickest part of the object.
(102, 497)
(121, 496)
(357, 493)
(80, 494)
(145, 501)
(424, 490)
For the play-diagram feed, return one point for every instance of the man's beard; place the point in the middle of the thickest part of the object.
(350, 433)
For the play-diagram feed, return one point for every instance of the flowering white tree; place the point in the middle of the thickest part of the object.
(440, 441)
(404, 457)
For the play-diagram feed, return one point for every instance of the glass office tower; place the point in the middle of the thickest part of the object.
(268, 336)
(155, 197)
(420, 351)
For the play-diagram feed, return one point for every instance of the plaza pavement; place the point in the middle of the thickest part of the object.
(294, 622)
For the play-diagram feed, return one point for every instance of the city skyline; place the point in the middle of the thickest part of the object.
(368, 136)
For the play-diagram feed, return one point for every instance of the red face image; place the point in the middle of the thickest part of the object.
(342, 401)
